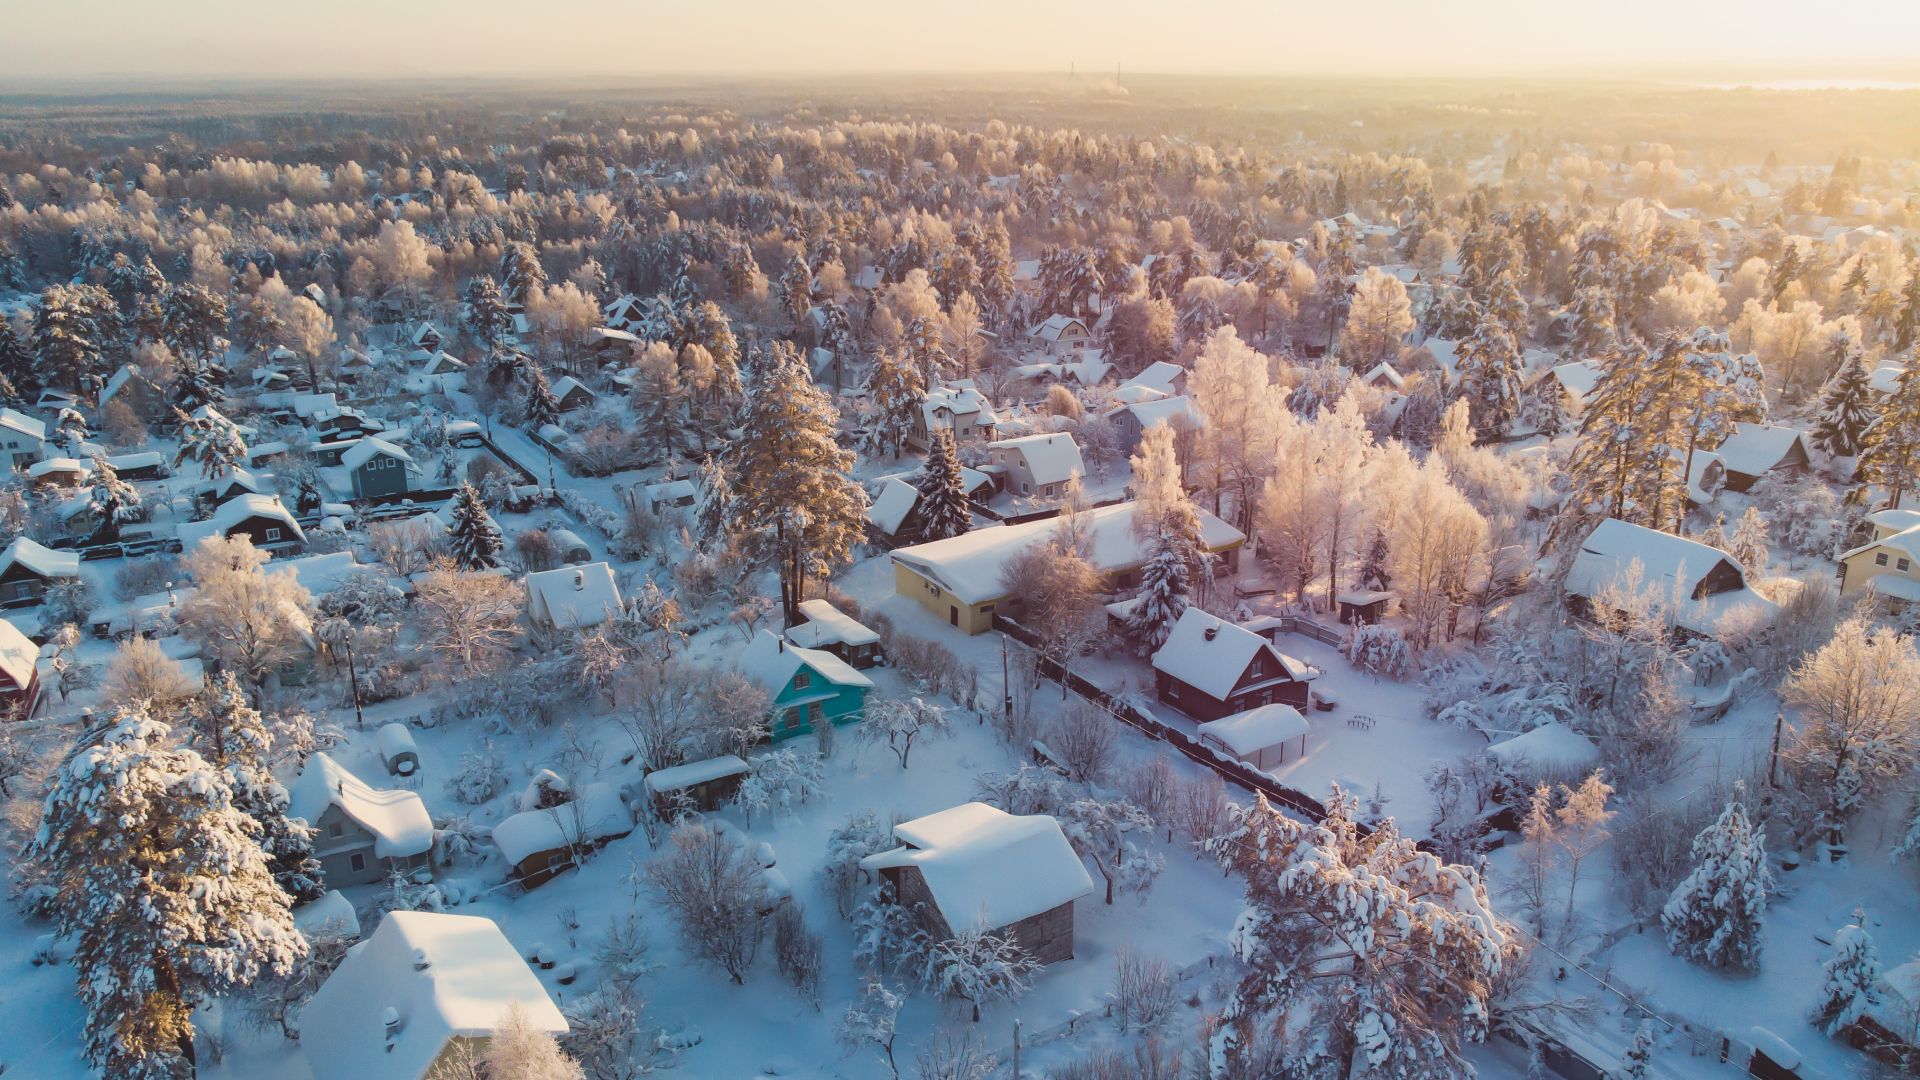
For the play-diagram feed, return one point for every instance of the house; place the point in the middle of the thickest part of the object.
(1363, 605)
(441, 371)
(1163, 377)
(1575, 381)
(1888, 565)
(1038, 466)
(976, 866)
(806, 685)
(1707, 583)
(379, 469)
(1210, 668)
(59, 472)
(573, 597)
(361, 834)
(19, 673)
(962, 579)
(893, 512)
(22, 439)
(28, 570)
(1754, 450)
(539, 844)
(260, 518)
(149, 465)
(959, 408)
(131, 386)
(1383, 376)
(611, 343)
(831, 630)
(570, 394)
(697, 785)
(1059, 335)
(231, 485)
(672, 493)
(1131, 421)
(625, 312)
(1261, 737)
(426, 337)
(423, 985)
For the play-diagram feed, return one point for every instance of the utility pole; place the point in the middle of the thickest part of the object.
(1006, 683)
(1773, 762)
(353, 677)
(1016, 1048)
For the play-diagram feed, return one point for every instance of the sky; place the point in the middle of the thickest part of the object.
(437, 38)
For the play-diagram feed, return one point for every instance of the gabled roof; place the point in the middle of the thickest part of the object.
(828, 625)
(1754, 448)
(237, 511)
(1161, 375)
(1213, 665)
(1578, 378)
(1257, 729)
(958, 400)
(1173, 410)
(397, 819)
(31, 427)
(1053, 326)
(889, 509)
(18, 655)
(986, 867)
(573, 597)
(441, 976)
(770, 662)
(594, 814)
(1384, 370)
(42, 561)
(567, 384)
(1894, 519)
(1905, 542)
(368, 448)
(1052, 458)
(1666, 561)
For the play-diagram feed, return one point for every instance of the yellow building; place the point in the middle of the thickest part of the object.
(962, 579)
(1889, 564)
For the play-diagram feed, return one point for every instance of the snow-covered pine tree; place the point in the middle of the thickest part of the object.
(472, 537)
(198, 382)
(115, 502)
(943, 494)
(713, 503)
(211, 440)
(230, 733)
(1713, 916)
(1489, 366)
(486, 315)
(520, 272)
(66, 344)
(1166, 580)
(1373, 566)
(16, 363)
(1593, 330)
(894, 386)
(1851, 980)
(1846, 410)
(1750, 544)
(1890, 447)
(542, 407)
(658, 393)
(160, 882)
(193, 319)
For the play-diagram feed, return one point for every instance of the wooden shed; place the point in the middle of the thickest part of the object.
(697, 785)
(1364, 605)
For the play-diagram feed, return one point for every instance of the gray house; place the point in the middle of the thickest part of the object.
(378, 468)
(361, 834)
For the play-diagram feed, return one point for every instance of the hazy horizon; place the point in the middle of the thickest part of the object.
(123, 41)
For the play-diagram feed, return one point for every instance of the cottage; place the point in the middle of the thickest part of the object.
(379, 469)
(893, 512)
(570, 394)
(1132, 421)
(1038, 466)
(1575, 382)
(260, 518)
(539, 844)
(361, 835)
(19, 674)
(1059, 335)
(1754, 450)
(962, 579)
(806, 685)
(611, 343)
(1710, 583)
(426, 337)
(422, 987)
(831, 630)
(131, 387)
(573, 597)
(1888, 565)
(59, 472)
(149, 465)
(959, 408)
(625, 312)
(1163, 377)
(1260, 737)
(22, 438)
(1363, 606)
(231, 485)
(28, 570)
(978, 867)
(1210, 668)
(697, 785)
(669, 494)
(397, 749)
(1383, 376)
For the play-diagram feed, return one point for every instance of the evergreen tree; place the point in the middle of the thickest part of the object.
(1890, 447)
(1489, 367)
(542, 407)
(16, 363)
(13, 271)
(792, 482)
(210, 439)
(198, 382)
(520, 272)
(192, 321)
(1906, 326)
(1846, 410)
(487, 317)
(1166, 580)
(66, 343)
(230, 733)
(713, 506)
(894, 387)
(472, 536)
(943, 495)
(1373, 568)
(1785, 272)
(658, 394)
(161, 883)
(1594, 332)
(1713, 917)
(115, 502)
(1852, 978)
(796, 290)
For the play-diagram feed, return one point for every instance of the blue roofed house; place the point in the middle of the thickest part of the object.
(806, 684)
(379, 468)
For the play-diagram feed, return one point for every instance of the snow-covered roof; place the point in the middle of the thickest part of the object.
(1161, 376)
(573, 597)
(672, 491)
(889, 509)
(145, 460)
(1213, 663)
(1614, 546)
(986, 867)
(18, 655)
(370, 447)
(1885, 379)
(769, 661)
(1552, 745)
(681, 777)
(439, 977)
(307, 406)
(397, 819)
(236, 511)
(32, 427)
(958, 400)
(1578, 378)
(596, 813)
(331, 913)
(1050, 328)
(53, 465)
(1173, 410)
(1256, 729)
(322, 574)
(1363, 597)
(1754, 448)
(1134, 395)
(236, 477)
(1905, 542)
(395, 739)
(117, 383)
(828, 625)
(1894, 520)
(1052, 458)
(42, 561)
(424, 332)
(567, 384)
(1384, 370)
(972, 566)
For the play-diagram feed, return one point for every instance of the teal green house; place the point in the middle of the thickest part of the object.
(806, 684)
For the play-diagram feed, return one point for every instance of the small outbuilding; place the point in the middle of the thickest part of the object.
(1260, 737)
(1754, 450)
(697, 785)
(1364, 605)
(834, 631)
(539, 844)
(573, 597)
(28, 570)
(397, 749)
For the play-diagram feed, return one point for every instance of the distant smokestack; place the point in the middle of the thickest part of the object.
(1212, 632)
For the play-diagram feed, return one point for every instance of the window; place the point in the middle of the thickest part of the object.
(1173, 689)
(1902, 565)
(802, 679)
(336, 829)
(1880, 559)
(793, 718)
(357, 861)
(1026, 488)
(273, 534)
(815, 713)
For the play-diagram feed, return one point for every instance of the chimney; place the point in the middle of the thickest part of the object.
(390, 1021)
(1212, 632)
(420, 961)
(579, 581)
(781, 643)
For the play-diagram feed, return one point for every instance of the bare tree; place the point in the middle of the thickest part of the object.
(469, 617)
(714, 892)
(245, 618)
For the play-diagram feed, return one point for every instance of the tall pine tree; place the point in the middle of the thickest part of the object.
(542, 407)
(943, 494)
(1890, 447)
(1852, 978)
(230, 733)
(1846, 410)
(472, 536)
(1713, 917)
